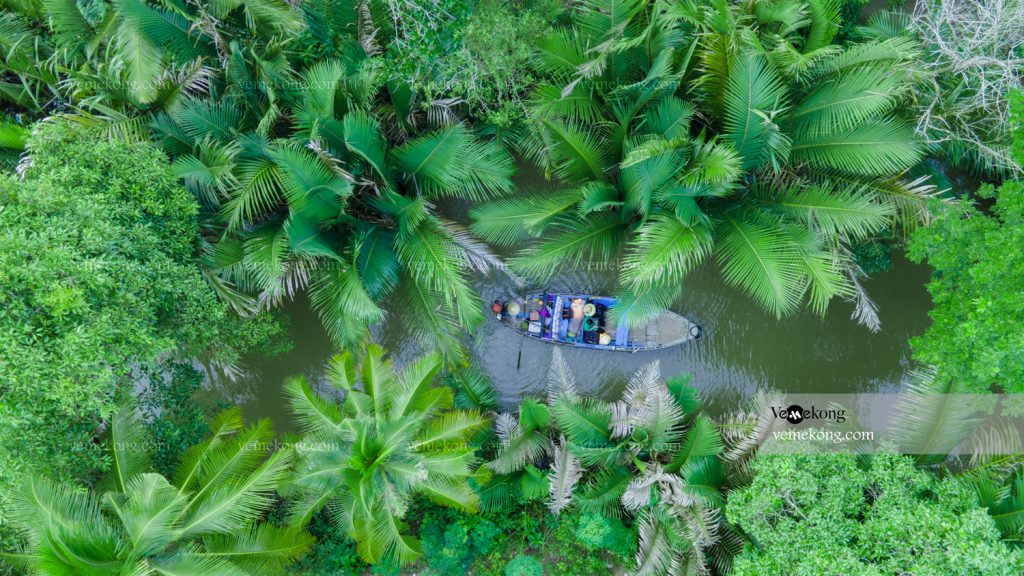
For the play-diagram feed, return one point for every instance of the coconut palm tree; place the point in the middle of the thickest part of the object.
(339, 208)
(680, 131)
(208, 519)
(652, 455)
(127, 57)
(394, 436)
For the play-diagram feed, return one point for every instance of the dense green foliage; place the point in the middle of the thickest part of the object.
(207, 520)
(979, 307)
(488, 543)
(312, 167)
(978, 312)
(97, 249)
(193, 165)
(652, 456)
(680, 131)
(333, 553)
(482, 55)
(817, 514)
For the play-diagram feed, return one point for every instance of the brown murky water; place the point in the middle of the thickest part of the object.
(743, 348)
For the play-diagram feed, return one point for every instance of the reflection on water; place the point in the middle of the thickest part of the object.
(743, 348)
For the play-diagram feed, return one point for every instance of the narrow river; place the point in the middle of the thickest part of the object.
(743, 348)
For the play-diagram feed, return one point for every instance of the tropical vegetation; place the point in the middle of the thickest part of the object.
(207, 520)
(179, 179)
(818, 514)
(393, 436)
(680, 131)
(86, 308)
(652, 455)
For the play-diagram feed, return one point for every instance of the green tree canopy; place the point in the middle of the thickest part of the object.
(812, 514)
(313, 169)
(98, 280)
(978, 313)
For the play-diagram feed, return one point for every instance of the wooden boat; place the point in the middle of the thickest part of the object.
(582, 320)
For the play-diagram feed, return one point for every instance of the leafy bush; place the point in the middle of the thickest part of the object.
(873, 255)
(817, 514)
(523, 565)
(850, 18)
(978, 313)
(598, 533)
(333, 552)
(96, 249)
(483, 55)
(484, 544)
(453, 541)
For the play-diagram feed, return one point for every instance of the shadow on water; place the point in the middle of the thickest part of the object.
(259, 390)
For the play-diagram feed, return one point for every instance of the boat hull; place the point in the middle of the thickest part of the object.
(583, 321)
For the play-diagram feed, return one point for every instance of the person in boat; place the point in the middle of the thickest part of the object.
(496, 309)
(576, 322)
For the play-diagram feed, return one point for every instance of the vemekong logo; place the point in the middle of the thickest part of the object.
(796, 414)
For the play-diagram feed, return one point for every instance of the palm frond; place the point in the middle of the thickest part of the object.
(451, 162)
(508, 221)
(761, 260)
(261, 548)
(585, 421)
(576, 154)
(847, 100)
(565, 474)
(655, 555)
(836, 212)
(130, 447)
(755, 93)
(473, 390)
(702, 439)
(561, 382)
(931, 416)
(363, 137)
(313, 413)
(149, 510)
(343, 303)
(825, 21)
(240, 501)
(597, 237)
(662, 251)
(873, 148)
(602, 492)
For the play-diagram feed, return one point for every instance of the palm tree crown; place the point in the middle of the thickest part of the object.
(208, 520)
(393, 437)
